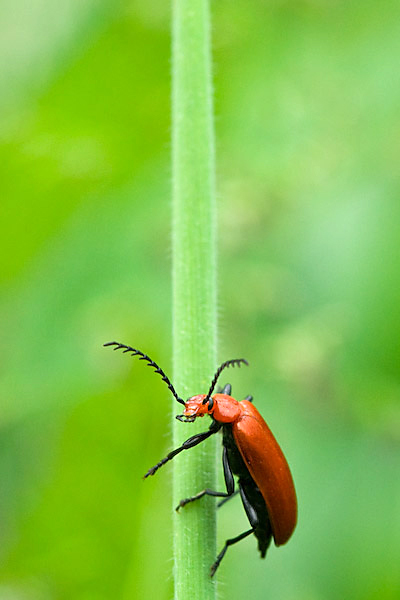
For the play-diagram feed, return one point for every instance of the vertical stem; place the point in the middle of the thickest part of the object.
(194, 288)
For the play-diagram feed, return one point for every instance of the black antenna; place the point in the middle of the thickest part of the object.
(150, 362)
(228, 363)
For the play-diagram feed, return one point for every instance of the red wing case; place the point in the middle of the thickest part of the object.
(269, 469)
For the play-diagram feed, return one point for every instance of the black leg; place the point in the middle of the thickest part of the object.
(189, 443)
(228, 475)
(250, 511)
(225, 548)
(229, 482)
(249, 398)
(257, 514)
(206, 492)
(222, 502)
(227, 389)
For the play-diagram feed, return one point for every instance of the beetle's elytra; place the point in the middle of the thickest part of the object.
(250, 452)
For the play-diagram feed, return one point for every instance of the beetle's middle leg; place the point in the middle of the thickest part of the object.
(222, 502)
(229, 482)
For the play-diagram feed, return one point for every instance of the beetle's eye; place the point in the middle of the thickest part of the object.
(210, 404)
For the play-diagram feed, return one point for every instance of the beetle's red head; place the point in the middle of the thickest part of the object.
(194, 407)
(203, 404)
(222, 407)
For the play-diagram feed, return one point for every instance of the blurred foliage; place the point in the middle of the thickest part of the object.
(307, 94)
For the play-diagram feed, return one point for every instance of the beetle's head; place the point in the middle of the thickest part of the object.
(221, 406)
(195, 407)
(204, 404)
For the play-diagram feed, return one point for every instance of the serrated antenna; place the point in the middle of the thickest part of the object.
(228, 363)
(151, 363)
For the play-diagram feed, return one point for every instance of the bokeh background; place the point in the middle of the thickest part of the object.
(307, 98)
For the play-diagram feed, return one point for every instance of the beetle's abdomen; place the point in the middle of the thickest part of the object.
(268, 467)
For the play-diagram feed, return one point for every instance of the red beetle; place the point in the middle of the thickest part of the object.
(250, 452)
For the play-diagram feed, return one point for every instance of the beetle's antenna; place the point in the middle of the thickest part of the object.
(150, 362)
(228, 363)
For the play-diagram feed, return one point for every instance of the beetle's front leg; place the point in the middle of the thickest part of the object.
(229, 482)
(189, 443)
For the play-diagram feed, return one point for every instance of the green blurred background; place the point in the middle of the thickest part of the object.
(307, 121)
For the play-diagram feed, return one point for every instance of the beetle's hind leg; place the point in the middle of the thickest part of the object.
(229, 482)
(248, 507)
(228, 543)
(257, 515)
(254, 522)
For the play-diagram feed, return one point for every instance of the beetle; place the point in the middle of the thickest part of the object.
(250, 451)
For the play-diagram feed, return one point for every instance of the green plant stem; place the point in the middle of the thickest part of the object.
(194, 288)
